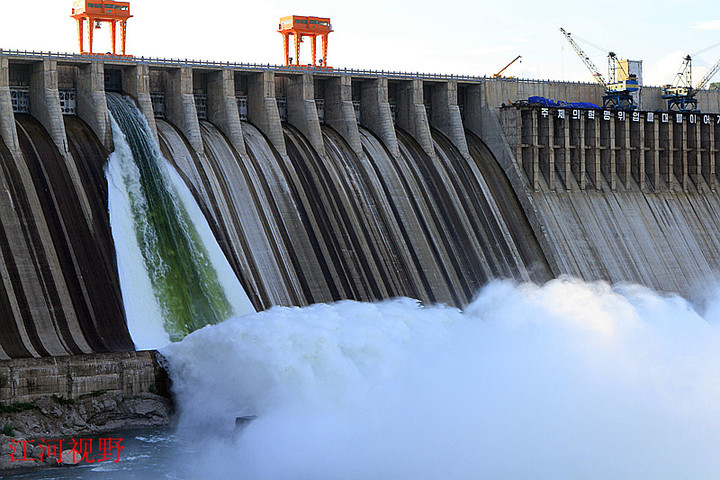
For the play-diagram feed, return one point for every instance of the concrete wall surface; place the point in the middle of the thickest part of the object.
(128, 373)
(617, 199)
(630, 197)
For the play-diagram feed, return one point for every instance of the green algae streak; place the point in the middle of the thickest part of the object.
(183, 278)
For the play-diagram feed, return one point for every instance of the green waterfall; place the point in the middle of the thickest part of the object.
(184, 280)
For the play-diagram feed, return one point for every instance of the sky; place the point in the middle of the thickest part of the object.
(451, 36)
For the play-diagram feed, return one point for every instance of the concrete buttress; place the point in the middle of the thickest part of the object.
(302, 110)
(446, 115)
(45, 107)
(8, 130)
(180, 106)
(91, 101)
(223, 109)
(45, 102)
(136, 82)
(376, 115)
(412, 115)
(339, 111)
(262, 109)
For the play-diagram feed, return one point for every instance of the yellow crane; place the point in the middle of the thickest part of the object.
(499, 74)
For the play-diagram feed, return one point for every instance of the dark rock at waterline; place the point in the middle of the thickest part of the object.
(70, 457)
(53, 417)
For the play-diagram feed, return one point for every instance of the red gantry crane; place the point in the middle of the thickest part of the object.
(300, 27)
(97, 11)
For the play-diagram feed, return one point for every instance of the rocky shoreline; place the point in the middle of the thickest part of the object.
(47, 420)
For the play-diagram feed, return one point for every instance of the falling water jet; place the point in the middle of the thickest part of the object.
(164, 243)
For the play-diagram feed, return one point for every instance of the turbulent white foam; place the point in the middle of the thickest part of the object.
(565, 381)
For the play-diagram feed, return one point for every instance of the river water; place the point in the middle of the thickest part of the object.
(146, 453)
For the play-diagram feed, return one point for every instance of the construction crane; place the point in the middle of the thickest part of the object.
(617, 91)
(108, 11)
(680, 95)
(300, 27)
(499, 74)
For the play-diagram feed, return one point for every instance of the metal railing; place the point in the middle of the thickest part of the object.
(178, 62)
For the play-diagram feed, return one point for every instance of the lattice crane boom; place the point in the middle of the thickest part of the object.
(618, 92)
(499, 74)
(684, 76)
(586, 60)
(708, 76)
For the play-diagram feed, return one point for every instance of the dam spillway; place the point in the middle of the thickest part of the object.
(332, 185)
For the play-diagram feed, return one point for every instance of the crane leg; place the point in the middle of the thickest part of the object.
(91, 27)
(286, 47)
(113, 32)
(313, 47)
(123, 35)
(325, 47)
(81, 32)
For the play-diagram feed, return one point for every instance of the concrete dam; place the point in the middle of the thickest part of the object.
(324, 185)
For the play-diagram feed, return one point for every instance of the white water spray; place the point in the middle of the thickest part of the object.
(565, 381)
